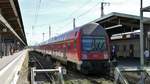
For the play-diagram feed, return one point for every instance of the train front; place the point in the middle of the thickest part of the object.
(94, 49)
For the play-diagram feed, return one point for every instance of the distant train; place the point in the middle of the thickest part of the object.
(85, 48)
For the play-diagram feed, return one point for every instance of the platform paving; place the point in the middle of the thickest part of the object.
(10, 67)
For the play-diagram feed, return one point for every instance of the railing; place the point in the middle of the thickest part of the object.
(59, 70)
(120, 79)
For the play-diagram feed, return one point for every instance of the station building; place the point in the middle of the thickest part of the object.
(12, 35)
(123, 30)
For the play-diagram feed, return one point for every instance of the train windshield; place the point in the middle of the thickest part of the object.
(93, 43)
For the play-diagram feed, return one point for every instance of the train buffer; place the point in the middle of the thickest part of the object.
(132, 75)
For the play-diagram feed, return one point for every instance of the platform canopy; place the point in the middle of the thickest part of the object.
(116, 23)
(11, 19)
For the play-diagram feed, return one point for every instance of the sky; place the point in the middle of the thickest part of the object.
(38, 15)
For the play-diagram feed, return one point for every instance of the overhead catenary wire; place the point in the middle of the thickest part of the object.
(82, 14)
(70, 17)
(76, 10)
(86, 12)
(37, 9)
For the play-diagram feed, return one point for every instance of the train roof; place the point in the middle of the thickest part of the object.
(85, 29)
(92, 29)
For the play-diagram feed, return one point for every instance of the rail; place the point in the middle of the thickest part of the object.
(59, 70)
(41, 65)
(120, 79)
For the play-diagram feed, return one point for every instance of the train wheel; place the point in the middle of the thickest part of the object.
(71, 66)
(84, 71)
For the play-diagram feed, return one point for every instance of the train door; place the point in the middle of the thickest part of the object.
(131, 50)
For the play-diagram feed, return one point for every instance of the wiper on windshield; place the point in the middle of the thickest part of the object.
(102, 45)
(93, 44)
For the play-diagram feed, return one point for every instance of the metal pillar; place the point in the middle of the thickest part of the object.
(141, 37)
(141, 42)
(142, 10)
(49, 31)
(32, 75)
(1, 54)
(43, 36)
(61, 76)
(102, 7)
(74, 23)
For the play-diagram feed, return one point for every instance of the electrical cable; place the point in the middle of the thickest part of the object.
(37, 12)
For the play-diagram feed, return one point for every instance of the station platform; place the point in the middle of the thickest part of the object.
(128, 62)
(10, 67)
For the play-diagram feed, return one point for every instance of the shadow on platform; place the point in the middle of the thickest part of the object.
(129, 62)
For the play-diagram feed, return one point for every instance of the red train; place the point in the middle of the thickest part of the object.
(85, 48)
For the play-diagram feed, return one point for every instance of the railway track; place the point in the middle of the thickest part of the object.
(39, 63)
(75, 77)
(72, 76)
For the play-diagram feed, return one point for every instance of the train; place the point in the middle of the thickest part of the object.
(84, 48)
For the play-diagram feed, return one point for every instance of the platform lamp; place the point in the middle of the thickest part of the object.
(4, 29)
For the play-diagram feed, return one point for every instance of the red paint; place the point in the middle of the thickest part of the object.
(94, 56)
(75, 54)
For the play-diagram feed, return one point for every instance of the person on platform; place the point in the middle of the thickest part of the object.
(113, 53)
(146, 56)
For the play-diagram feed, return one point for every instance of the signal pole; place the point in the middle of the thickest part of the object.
(32, 30)
(49, 31)
(102, 7)
(32, 33)
(74, 23)
(43, 35)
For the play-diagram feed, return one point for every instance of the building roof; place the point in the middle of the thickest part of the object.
(119, 22)
(11, 15)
